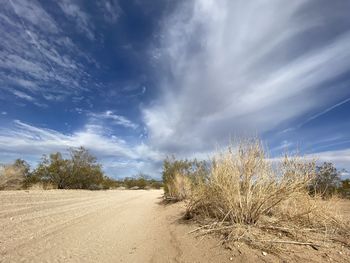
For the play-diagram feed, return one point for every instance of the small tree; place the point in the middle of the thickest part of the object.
(22, 166)
(81, 171)
(86, 173)
(326, 181)
(54, 170)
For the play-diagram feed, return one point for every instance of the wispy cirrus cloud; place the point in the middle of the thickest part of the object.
(73, 11)
(110, 10)
(37, 56)
(31, 12)
(323, 112)
(113, 118)
(236, 67)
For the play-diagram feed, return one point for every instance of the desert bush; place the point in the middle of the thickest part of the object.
(172, 167)
(52, 169)
(84, 169)
(80, 171)
(156, 184)
(40, 186)
(344, 189)
(326, 181)
(135, 183)
(244, 185)
(141, 181)
(109, 183)
(247, 197)
(179, 187)
(13, 176)
(179, 176)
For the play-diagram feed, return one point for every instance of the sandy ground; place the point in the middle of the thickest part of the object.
(119, 226)
(101, 226)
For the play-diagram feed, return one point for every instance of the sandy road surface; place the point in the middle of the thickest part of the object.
(101, 226)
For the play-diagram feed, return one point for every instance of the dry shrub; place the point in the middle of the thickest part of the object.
(11, 178)
(179, 187)
(249, 198)
(41, 186)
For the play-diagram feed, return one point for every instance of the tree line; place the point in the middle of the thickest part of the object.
(79, 171)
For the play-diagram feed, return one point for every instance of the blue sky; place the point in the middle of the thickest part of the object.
(134, 81)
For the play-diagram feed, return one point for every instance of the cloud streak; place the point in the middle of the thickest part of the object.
(114, 118)
(37, 56)
(235, 68)
(324, 112)
(82, 20)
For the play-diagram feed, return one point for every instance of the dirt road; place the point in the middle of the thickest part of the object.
(101, 226)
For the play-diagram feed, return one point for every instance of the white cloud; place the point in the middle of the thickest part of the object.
(110, 10)
(25, 138)
(284, 146)
(33, 13)
(114, 118)
(73, 11)
(23, 95)
(345, 175)
(30, 142)
(340, 158)
(231, 68)
(37, 56)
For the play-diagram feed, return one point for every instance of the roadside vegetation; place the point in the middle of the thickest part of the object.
(80, 171)
(243, 196)
(12, 176)
(141, 181)
(181, 176)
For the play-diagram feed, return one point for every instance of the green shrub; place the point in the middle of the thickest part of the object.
(81, 171)
(141, 181)
(179, 176)
(109, 183)
(156, 184)
(344, 189)
(327, 180)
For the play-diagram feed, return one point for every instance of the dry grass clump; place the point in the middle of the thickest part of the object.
(249, 198)
(41, 186)
(11, 178)
(179, 187)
